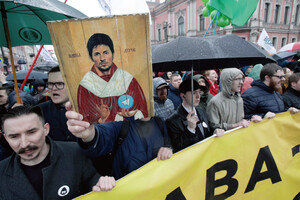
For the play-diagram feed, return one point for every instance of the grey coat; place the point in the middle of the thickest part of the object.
(69, 167)
(226, 108)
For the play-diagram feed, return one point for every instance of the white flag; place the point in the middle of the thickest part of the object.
(265, 42)
(45, 54)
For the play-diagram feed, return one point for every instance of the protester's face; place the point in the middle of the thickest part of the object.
(276, 80)
(40, 89)
(213, 76)
(288, 73)
(58, 96)
(3, 97)
(169, 74)
(201, 82)
(296, 86)
(196, 97)
(102, 57)
(26, 136)
(176, 80)
(162, 93)
(237, 83)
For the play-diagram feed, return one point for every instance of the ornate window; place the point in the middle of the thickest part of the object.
(159, 34)
(283, 42)
(181, 26)
(286, 15)
(202, 21)
(297, 16)
(274, 41)
(267, 11)
(277, 11)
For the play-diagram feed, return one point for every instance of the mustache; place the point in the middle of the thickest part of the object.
(29, 148)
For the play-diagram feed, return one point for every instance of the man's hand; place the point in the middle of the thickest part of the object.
(219, 132)
(192, 120)
(105, 183)
(164, 153)
(77, 126)
(293, 110)
(127, 113)
(269, 115)
(244, 123)
(256, 118)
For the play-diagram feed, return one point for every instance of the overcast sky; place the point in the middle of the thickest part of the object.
(93, 8)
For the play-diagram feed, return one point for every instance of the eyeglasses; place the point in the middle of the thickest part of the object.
(239, 79)
(58, 85)
(280, 77)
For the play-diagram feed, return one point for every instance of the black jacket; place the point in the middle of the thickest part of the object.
(260, 99)
(54, 114)
(69, 167)
(180, 136)
(291, 98)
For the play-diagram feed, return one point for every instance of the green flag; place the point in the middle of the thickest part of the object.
(239, 11)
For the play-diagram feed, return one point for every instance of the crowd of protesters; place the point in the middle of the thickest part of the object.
(43, 141)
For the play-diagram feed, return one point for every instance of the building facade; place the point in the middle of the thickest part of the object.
(172, 18)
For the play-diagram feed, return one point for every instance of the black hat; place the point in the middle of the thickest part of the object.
(186, 86)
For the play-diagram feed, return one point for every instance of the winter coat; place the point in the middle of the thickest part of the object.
(69, 167)
(163, 109)
(174, 96)
(226, 108)
(140, 146)
(206, 97)
(54, 114)
(179, 134)
(291, 98)
(260, 99)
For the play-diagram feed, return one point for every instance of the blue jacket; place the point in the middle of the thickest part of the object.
(141, 145)
(173, 95)
(260, 99)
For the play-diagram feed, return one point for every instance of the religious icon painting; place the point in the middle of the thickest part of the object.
(106, 64)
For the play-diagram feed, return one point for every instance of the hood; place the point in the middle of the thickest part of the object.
(255, 72)
(227, 76)
(158, 82)
(262, 85)
(198, 76)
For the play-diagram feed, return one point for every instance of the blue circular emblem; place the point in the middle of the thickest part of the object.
(125, 101)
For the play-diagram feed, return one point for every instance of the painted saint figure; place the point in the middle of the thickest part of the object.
(108, 93)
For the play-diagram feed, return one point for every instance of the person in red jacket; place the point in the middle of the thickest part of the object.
(212, 78)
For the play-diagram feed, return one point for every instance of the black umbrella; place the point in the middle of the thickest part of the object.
(22, 74)
(281, 56)
(46, 66)
(21, 61)
(183, 53)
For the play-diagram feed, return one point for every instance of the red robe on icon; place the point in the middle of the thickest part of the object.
(98, 95)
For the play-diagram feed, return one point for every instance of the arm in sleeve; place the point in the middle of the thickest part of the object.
(106, 135)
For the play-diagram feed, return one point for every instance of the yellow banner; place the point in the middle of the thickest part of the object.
(258, 162)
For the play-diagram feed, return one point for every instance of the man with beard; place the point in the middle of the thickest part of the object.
(108, 93)
(263, 98)
(41, 168)
(225, 110)
(163, 106)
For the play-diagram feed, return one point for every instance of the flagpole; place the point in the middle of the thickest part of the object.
(31, 67)
(4, 16)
